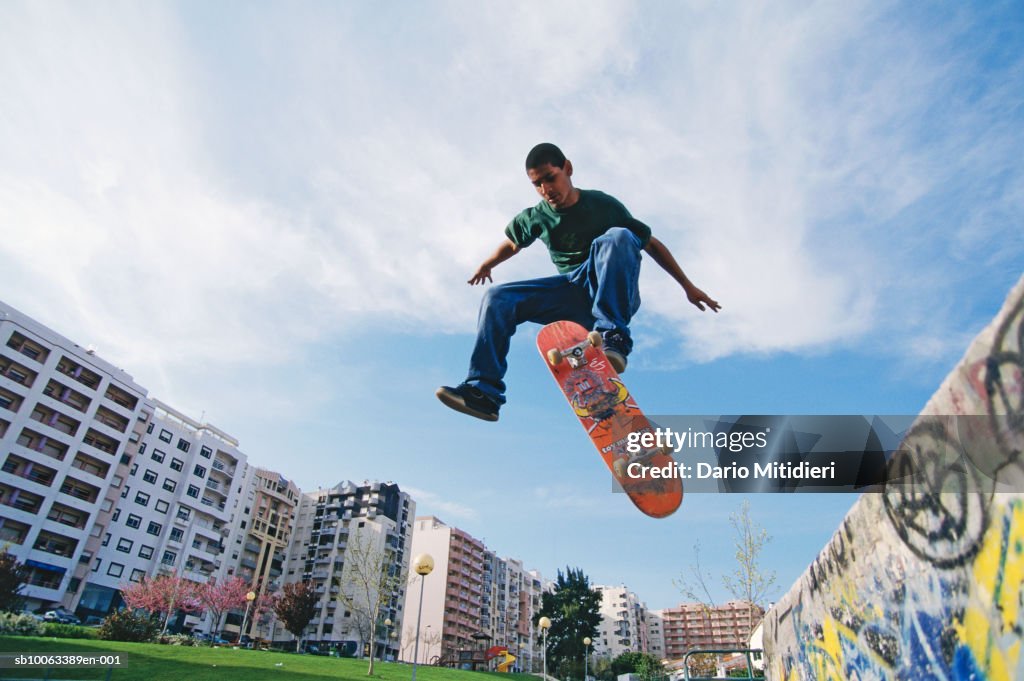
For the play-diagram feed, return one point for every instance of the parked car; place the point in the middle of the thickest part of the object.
(93, 621)
(61, 617)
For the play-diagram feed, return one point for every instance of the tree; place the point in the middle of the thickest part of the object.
(163, 595)
(219, 598)
(748, 582)
(575, 613)
(295, 608)
(262, 610)
(368, 583)
(13, 574)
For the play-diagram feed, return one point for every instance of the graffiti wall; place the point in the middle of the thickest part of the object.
(924, 579)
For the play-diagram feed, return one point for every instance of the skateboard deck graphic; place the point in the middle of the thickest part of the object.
(608, 413)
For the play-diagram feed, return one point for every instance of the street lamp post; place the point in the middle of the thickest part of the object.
(423, 564)
(586, 655)
(544, 623)
(249, 598)
(387, 631)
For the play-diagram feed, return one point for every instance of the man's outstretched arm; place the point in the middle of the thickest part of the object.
(483, 273)
(661, 255)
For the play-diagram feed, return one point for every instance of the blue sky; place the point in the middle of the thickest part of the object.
(267, 213)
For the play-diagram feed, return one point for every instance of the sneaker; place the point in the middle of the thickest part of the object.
(616, 347)
(470, 400)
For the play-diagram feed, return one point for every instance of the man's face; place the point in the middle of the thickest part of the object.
(554, 184)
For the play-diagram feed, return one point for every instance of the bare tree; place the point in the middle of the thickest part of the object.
(369, 580)
(747, 582)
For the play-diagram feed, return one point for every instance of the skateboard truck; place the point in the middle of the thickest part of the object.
(576, 355)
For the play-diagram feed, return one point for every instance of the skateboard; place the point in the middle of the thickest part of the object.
(609, 414)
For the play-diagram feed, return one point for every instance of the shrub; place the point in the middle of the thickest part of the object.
(125, 625)
(57, 630)
(177, 640)
(19, 624)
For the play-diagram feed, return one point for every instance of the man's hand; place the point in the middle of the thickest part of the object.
(700, 299)
(483, 273)
(481, 276)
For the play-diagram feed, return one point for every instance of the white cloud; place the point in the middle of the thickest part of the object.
(434, 504)
(184, 189)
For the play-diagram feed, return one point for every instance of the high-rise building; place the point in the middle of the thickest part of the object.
(339, 532)
(695, 625)
(473, 600)
(656, 634)
(175, 512)
(624, 623)
(68, 420)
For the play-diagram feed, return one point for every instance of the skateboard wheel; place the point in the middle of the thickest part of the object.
(595, 339)
(554, 357)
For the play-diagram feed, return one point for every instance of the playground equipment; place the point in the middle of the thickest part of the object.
(506, 664)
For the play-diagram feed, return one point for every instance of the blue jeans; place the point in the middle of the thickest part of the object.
(602, 294)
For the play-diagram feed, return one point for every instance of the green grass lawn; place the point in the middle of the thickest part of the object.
(152, 662)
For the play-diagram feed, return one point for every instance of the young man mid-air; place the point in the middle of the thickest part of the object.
(595, 244)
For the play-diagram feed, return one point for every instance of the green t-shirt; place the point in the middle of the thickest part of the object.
(569, 233)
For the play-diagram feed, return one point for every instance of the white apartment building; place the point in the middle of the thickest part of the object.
(175, 512)
(332, 528)
(67, 426)
(656, 634)
(624, 623)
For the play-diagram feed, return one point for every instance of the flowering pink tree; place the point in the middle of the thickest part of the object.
(162, 595)
(219, 598)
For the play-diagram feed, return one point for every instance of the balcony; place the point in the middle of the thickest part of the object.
(69, 367)
(27, 347)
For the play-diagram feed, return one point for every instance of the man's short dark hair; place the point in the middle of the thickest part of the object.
(543, 154)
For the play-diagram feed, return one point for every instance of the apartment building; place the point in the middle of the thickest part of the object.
(473, 599)
(453, 594)
(624, 623)
(68, 420)
(259, 537)
(656, 634)
(176, 510)
(510, 597)
(694, 625)
(341, 530)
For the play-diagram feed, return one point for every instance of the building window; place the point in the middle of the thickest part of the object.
(165, 435)
(206, 452)
(133, 521)
(162, 506)
(149, 430)
(177, 464)
(149, 476)
(115, 569)
(145, 552)
(106, 539)
(157, 456)
(170, 485)
(141, 498)
(154, 528)
(176, 534)
(193, 491)
(199, 471)
(124, 545)
(184, 513)
(183, 444)
(135, 468)
(117, 514)
(137, 575)
(96, 567)
(169, 558)
(142, 448)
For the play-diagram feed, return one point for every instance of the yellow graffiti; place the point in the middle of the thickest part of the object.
(992, 617)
